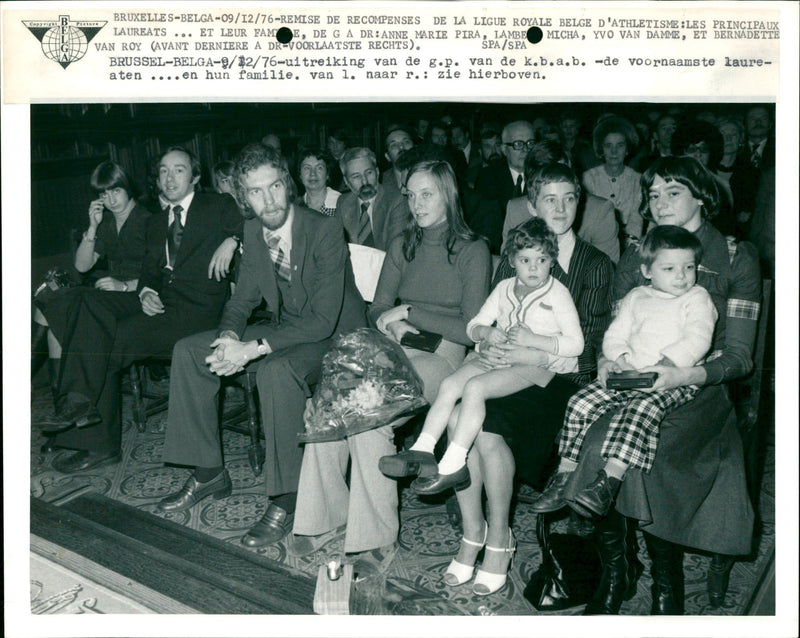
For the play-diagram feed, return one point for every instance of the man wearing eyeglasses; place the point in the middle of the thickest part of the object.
(502, 181)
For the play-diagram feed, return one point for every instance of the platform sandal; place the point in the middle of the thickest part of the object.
(460, 572)
(487, 583)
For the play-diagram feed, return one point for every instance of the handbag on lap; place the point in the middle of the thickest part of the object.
(570, 570)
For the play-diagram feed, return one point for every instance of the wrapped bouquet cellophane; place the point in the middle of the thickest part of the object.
(367, 382)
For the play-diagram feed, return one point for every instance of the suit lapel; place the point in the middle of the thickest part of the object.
(161, 246)
(299, 242)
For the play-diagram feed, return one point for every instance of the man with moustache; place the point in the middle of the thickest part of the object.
(296, 260)
(181, 290)
(398, 139)
(372, 215)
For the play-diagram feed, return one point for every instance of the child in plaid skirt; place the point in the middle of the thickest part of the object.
(669, 322)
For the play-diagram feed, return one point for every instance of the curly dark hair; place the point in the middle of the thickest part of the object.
(254, 156)
(532, 233)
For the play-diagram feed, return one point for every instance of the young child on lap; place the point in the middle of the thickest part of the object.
(668, 322)
(533, 310)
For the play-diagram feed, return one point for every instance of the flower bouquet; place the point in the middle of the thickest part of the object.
(367, 382)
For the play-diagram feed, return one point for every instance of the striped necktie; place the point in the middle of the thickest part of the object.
(364, 224)
(175, 234)
(282, 268)
(755, 156)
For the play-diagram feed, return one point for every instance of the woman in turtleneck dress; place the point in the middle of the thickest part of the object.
(438, 269)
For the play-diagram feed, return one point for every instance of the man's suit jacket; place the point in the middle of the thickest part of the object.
(474, 164)
(211, 218)
(322, 284)
(389, 216)
(598, 225)
(495, 182)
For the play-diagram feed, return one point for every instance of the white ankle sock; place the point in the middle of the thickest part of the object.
(616, 469)
(566, 465)
(454, 459)
(424, 443)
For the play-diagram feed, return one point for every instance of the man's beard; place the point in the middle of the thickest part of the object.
(367, 191)
(274, 223)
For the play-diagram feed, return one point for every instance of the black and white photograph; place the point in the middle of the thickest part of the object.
(413, 356)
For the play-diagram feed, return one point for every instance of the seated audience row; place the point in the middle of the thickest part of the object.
(539, 338)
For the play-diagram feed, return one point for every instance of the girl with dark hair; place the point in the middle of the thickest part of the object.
(116, 232)
(438, 269)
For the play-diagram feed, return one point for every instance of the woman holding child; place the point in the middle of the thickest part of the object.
(439, 271)
(530, 418)
(695, 495)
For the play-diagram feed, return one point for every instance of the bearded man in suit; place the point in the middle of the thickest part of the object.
(371, 213)
(296, 260)
(182, 289)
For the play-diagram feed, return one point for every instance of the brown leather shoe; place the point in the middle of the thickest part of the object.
(272, 527)
(458, 480)
(85, 460)
(599, 495)
(408, 463)
(193, 491)
(552, 497)
(70, 413)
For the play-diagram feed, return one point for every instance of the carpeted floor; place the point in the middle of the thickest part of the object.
(408, 580)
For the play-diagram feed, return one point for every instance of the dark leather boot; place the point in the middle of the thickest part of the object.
(667, 573)
(39, 353)
(610, 535)
(719, 572)
(635, 566)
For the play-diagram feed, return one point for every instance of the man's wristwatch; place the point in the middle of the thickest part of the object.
(262, 347)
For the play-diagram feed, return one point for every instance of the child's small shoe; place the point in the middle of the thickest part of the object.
(552, 497)
(458, 480)
(408, 463)
(597, 497)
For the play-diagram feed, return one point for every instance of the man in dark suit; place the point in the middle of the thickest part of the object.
(462, 141)
(371, 214)
(398, 139)
(504, 180)
(296, 260)
(182, 289)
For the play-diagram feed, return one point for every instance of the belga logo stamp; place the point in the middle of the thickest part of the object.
(63, 40)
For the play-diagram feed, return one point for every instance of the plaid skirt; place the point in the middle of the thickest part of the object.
(696, 493)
